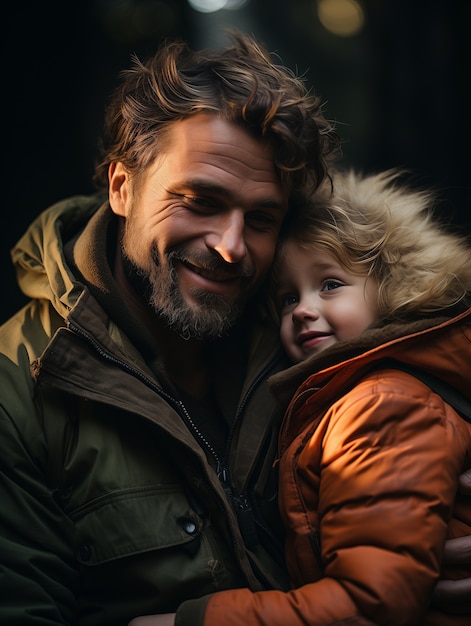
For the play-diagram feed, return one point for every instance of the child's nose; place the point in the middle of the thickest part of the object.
(305, 311)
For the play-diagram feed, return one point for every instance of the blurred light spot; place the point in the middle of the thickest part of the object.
(211, 6)
(341, 17)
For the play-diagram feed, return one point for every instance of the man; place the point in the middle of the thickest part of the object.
(137, 434)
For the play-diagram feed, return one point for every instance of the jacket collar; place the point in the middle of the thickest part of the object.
(406, 341)
(92, 255)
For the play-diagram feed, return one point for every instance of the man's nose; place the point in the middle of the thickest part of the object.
(228, 237)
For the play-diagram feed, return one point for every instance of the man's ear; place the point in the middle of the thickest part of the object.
(119, 192)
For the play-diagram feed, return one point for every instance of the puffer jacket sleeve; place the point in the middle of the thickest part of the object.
(376, 480)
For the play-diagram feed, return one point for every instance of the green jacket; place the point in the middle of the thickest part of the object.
(110, 507)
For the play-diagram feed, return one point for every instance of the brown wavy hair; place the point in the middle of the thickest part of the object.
(240, 83)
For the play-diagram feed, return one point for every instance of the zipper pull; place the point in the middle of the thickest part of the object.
(222, 474)
(246, 521)
(242, 509)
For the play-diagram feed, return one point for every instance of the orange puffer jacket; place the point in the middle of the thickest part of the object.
(369, 466)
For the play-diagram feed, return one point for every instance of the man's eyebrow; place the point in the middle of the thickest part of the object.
(197, 184)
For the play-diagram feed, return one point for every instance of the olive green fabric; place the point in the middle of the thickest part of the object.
(109, 506)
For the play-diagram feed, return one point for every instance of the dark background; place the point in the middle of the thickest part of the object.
(398, 90)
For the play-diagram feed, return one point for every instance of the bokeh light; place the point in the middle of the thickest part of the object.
(341, 17)
(211, 6)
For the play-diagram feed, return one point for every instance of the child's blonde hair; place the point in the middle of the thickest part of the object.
(375, 226)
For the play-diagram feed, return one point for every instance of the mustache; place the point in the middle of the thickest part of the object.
(211, 262)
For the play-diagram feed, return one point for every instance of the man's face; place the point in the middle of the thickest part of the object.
(202, 229)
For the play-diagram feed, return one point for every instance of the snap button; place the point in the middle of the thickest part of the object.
(188, 526)
(85, 553)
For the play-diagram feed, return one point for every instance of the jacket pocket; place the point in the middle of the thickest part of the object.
(144, 551)
(134, 521)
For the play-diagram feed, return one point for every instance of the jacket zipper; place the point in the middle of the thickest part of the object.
(246, 516)
(241, 504)
(288, 416)
(176, 404)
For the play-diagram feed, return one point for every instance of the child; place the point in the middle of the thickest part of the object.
(369, 456)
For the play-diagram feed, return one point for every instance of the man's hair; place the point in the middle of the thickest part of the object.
(374, 225)
(240, 83)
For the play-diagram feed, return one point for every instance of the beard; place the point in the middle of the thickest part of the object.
(213, 315)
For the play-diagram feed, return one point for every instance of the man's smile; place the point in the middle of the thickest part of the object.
(216, 275)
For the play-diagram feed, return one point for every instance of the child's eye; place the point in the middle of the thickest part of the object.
(330, 284)
(289, 300)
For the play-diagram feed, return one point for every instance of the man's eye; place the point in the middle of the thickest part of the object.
(200, 203)
(261, 220)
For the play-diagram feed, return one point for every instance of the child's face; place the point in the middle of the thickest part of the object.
(321, 303)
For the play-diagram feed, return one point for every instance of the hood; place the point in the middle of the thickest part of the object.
(39, 257)
(440, 346)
